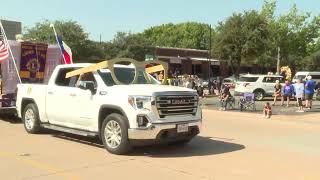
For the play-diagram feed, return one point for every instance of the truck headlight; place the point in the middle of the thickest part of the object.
(140, 102)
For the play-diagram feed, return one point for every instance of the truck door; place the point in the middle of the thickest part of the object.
(59, 105)
(82, 102)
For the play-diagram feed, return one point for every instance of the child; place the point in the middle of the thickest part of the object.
(267, 110)
(224, 98)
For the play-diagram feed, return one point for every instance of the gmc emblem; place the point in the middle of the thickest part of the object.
(179, 101)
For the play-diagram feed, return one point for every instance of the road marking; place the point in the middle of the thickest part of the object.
(39, 165)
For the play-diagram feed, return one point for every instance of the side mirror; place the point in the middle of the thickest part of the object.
(88, 85)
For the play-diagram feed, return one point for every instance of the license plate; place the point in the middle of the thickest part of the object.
(182, 128)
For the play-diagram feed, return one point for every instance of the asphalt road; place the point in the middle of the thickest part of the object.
(232, 145)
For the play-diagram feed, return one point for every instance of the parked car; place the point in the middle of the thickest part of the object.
(261, 85)
(304, 74)
(230, 82)
(121, 115)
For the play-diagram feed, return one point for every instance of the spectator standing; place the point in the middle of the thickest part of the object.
(277, 92)
(318, 91)
(288, 91)
(309, 91)
(210, 85)
(299, 91)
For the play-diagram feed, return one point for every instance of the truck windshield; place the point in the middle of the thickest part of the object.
(125, 76)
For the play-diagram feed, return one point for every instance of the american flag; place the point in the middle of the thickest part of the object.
(4, 53)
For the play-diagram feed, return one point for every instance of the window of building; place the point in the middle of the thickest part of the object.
(196, 69)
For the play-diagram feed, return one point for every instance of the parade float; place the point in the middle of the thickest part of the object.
(34, 62)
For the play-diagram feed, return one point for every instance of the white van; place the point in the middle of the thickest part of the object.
(304, 74)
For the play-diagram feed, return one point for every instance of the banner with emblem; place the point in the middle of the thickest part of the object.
(33, 61)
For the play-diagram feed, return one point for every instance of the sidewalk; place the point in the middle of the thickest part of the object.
(214, 104)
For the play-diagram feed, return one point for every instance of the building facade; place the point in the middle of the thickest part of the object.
(12, 28)
(189, 61)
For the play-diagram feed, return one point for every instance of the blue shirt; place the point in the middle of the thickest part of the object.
(299, 88)
(288, 89)
(310, 86)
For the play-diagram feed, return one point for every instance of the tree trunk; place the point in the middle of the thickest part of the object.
(238, 67)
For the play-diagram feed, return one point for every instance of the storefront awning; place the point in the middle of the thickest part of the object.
(212, 61)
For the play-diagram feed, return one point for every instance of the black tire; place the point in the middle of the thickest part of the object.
(31, 125)
(124, 145)
(259, 95)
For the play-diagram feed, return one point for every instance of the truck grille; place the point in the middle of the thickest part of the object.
(171, 105)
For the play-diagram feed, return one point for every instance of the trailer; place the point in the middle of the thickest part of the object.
(35, 63)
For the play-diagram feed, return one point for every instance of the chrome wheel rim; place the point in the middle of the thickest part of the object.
(259, 96)
(112, 134)
(29, 119)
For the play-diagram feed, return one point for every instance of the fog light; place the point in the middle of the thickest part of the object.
(142, 120)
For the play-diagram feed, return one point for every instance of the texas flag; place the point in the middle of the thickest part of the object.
(65, 51)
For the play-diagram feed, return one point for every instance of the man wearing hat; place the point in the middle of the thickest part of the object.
(309, 91)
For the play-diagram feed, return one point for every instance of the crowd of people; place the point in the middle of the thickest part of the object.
(192, 82)
(302, 91)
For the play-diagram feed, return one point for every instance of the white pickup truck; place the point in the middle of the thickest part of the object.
(121, 115)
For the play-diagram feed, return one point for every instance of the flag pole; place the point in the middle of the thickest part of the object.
(7, 42)
(55, 34)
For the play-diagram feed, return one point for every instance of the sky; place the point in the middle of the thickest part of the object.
(106, 17)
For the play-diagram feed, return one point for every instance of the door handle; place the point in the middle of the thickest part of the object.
(72, 94)
(50, 92)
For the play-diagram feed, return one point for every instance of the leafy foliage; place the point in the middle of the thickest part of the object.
(251, 37)
(184, 35)
(241, 36)
(72, 33)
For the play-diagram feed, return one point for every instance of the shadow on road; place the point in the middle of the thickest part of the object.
(79, 139)
(199, 146)
(10, 118)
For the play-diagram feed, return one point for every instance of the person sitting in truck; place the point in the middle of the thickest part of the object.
(84, 78)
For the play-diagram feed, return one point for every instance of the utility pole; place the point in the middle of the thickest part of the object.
(278, 61)
(100, 39)
(209, 59)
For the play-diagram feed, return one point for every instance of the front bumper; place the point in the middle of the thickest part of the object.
(161, 131)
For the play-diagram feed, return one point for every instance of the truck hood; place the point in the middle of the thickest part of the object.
(146, 89)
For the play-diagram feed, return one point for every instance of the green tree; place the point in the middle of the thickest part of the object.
(294, 33)
(241, 37)
(184, 35)
(129, 45)
(71, 32)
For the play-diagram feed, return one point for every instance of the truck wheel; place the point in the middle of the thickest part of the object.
(259, 95)
(114, 134)
(30, 118)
